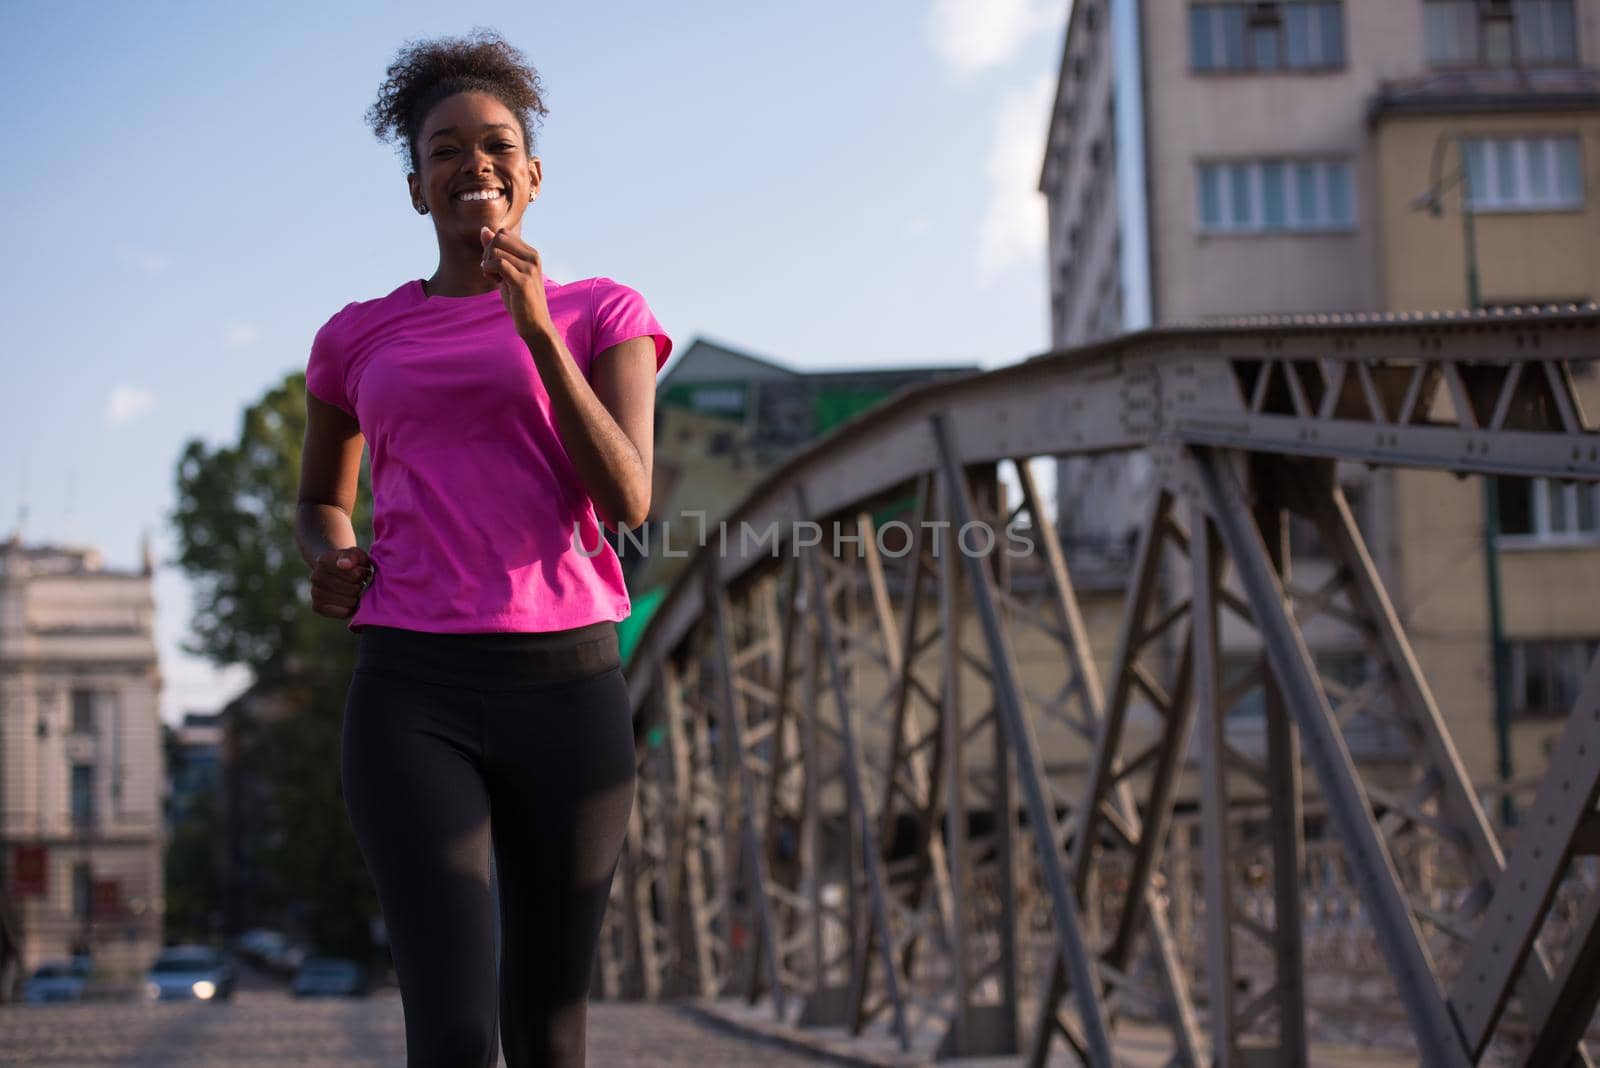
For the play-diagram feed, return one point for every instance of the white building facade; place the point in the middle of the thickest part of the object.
(81, 763)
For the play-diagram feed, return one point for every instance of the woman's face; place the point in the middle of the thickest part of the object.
(475, 169)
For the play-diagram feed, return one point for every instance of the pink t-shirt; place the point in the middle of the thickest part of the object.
(474, 496)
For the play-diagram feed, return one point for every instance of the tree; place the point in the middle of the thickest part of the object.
(310, 847)
(193, 893)
(235, 523)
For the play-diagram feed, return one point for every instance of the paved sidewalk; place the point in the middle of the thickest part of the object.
(267, 1028)
(1136, 1046)
(270, 1029)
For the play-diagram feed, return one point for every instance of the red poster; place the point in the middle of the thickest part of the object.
(28, 868)
(107, 898)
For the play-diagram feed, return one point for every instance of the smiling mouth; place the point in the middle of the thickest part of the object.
(479, 196)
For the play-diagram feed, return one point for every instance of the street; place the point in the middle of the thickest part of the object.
(259, 1028)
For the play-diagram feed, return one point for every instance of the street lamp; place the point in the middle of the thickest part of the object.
(1432, 201)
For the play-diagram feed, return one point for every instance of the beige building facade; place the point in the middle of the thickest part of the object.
(1274, 159)
(81, 765)
(1530, 159)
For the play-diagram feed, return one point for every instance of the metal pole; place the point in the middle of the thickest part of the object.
(1469, 226)
(1499, 651)
(1501, 665)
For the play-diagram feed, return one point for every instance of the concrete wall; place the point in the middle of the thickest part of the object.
(1522, 256)
(1441, 594)
(1218, 116)
(1079, 184)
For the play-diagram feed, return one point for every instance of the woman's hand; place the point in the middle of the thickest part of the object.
(514, 265)
(338, 579)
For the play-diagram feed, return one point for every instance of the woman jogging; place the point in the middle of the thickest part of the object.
(507, 416)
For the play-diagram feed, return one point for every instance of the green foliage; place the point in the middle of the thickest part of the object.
(235, 524)
(309, 847)
(193, 892)
(235, 521)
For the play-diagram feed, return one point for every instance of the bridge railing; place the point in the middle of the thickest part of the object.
(891, 777)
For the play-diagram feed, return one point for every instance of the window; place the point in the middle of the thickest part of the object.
(1546, 676)
(1549, 511)
(1525, 173)
(1283, 35)
(83, 795)
(1546, 31)
(718, 399)
(82, 890)
(82, 711)
(1265, 196)
(1499, 33)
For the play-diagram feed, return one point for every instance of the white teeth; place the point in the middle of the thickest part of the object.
(479, 194)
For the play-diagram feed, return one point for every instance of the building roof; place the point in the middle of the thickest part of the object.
(1477, 91)
(718, 362)
(722, 358)
(84, 561)
(1381, 319)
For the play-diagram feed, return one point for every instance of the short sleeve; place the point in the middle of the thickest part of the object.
(325, 369)
(621, 313)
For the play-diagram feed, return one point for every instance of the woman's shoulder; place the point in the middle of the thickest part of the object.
(594, 286)
(358, 314)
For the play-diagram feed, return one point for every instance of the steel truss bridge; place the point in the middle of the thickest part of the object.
(844, 810)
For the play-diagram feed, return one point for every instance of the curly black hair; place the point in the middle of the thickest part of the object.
(425, 72)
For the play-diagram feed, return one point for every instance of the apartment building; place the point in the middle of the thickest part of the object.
(1214, 158)
(81, 766)
(724, 420)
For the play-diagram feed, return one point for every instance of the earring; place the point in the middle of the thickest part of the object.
(422, 209)
(531, 195)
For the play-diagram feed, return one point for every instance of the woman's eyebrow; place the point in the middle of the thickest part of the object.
(490, 126)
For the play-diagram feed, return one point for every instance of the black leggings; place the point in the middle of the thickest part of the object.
(451, 741)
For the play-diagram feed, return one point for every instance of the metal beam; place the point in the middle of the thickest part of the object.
(870, 851)
(1019, 735)
(1437, 1035)
(1525, 890)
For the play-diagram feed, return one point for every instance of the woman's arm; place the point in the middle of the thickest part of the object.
(608, 427)
(330, 473)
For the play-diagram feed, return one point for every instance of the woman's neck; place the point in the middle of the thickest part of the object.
(460, 272)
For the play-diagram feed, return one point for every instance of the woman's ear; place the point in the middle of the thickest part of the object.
(535, 176)
(418, 204)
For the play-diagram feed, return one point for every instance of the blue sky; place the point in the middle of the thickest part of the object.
(191, 190)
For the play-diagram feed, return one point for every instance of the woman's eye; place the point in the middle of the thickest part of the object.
(504, 144)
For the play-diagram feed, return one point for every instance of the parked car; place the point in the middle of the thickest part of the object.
(253, 943)
(57, 980)
(269, 949)
(194, 972)
(329, 976)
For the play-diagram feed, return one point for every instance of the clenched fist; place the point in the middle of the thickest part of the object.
(338, 579)
(514, 265)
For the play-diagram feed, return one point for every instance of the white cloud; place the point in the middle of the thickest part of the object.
(237, 335)
(1013, 228)
(144, 260)
(128, 402)
(974, 35)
